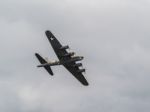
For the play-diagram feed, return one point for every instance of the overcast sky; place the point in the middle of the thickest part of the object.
(112, 35)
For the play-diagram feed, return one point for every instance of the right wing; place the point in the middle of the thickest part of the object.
(74, 71)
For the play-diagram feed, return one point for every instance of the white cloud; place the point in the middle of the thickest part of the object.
(112, 35)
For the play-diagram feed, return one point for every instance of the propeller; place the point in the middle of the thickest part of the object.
(84, 68)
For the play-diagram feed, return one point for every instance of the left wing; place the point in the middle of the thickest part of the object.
(57, 46)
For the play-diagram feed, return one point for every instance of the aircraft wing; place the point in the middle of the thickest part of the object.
(78, 75)
(57, 46)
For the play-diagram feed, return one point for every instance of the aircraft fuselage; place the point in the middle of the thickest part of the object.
(73, 59)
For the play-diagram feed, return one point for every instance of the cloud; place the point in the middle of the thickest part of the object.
(113, 36)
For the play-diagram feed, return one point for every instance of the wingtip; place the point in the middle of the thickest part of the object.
(87, 84)
(47, 32)
(36, 54)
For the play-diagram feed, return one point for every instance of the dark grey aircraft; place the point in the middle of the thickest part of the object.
(67, 59)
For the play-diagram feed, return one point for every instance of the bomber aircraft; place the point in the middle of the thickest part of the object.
(67, 59)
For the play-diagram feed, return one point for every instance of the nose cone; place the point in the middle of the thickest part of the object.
(81, 57)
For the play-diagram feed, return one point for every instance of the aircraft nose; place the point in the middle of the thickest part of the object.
(82, 57)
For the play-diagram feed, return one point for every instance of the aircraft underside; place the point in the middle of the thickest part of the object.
(67, 59)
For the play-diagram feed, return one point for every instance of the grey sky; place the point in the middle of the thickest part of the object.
(112, 35)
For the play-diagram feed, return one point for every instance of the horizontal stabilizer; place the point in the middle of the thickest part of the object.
(42, 61)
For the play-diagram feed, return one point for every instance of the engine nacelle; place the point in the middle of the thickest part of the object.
(69, 54)
(64, 47)
(74, 59)
(77, 58)
(81, 70)
(77, 65)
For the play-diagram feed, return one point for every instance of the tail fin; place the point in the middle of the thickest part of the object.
(42, 61)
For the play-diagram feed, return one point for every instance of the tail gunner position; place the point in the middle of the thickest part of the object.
(67, 59)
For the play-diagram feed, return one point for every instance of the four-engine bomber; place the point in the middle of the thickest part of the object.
(67, 59)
